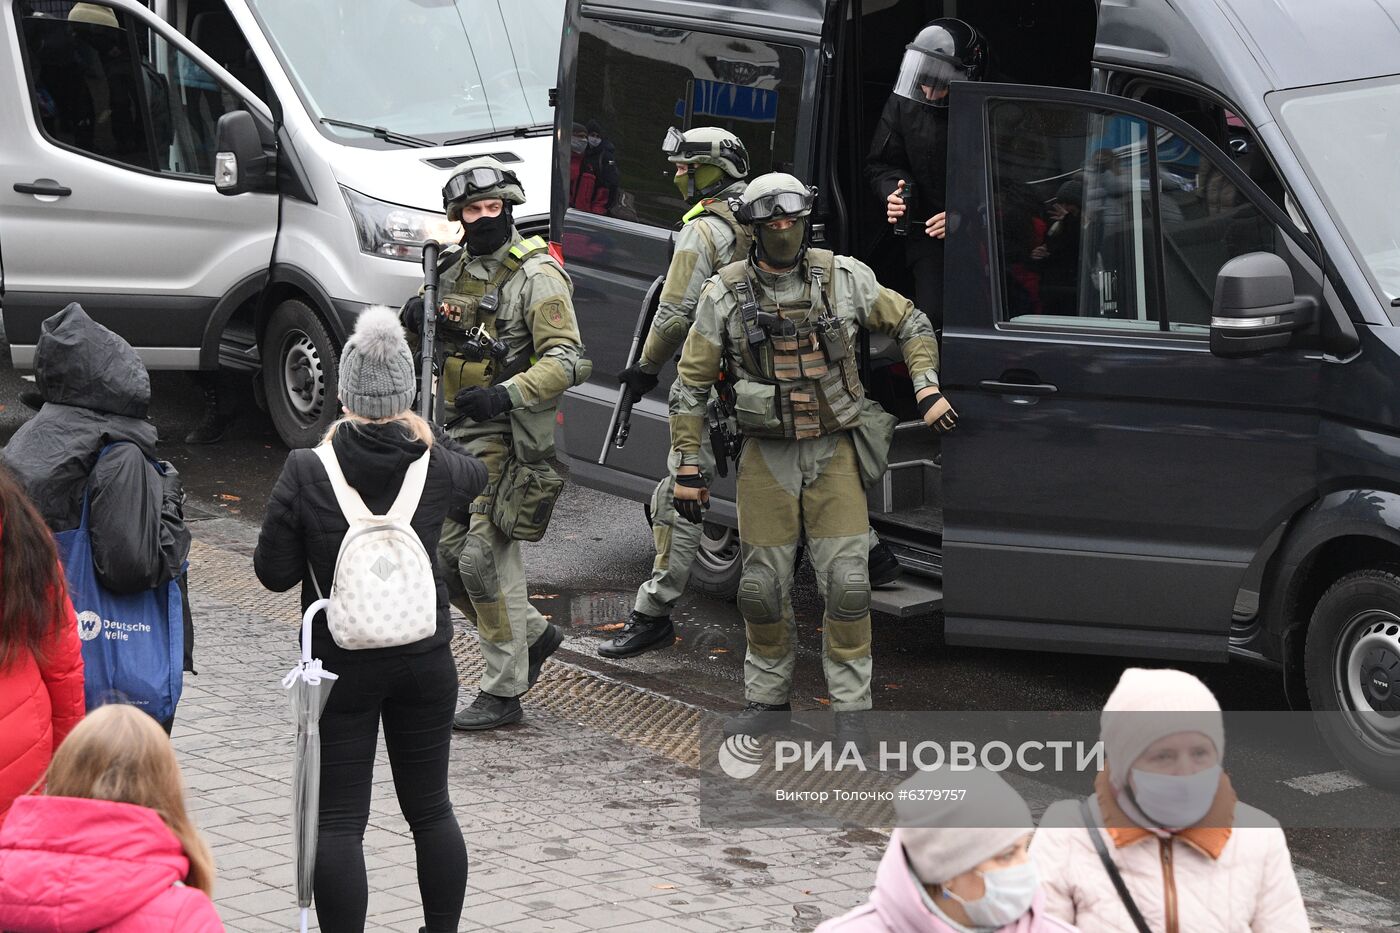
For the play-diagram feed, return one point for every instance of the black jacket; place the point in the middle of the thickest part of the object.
(911, 143)
(304, 524)
(96, 392)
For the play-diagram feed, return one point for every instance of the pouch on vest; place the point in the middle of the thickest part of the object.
(872, 436)
(756, 409)
(524, 499)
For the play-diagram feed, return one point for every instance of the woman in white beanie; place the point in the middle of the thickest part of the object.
(958, 863)
(412, 688)
(1164, 820)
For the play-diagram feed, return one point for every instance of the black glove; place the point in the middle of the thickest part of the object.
(947, 417)
(692, 510)
(637, 381)
(411, 315)
(482, 404)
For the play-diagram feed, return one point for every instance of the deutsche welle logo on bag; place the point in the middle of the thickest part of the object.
(90, 625)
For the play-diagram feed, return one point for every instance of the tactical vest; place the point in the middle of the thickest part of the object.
(802, 351)
(479, 302)
(720, 208)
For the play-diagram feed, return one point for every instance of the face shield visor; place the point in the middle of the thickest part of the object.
(924, 77)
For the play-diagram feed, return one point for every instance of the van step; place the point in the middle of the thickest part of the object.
(910, 598)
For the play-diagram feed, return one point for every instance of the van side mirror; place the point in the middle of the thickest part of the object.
(1255, 309)
(241, 163)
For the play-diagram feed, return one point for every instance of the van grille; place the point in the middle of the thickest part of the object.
(454, 161)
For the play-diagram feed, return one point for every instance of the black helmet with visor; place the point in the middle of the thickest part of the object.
(944, 51)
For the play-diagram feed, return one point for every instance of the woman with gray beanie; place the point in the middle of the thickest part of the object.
(412, 688)
(959, 862)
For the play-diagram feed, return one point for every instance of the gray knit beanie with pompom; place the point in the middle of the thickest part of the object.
(376, 367)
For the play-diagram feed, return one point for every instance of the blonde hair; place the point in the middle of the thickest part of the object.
(412, 423)
(119, 753)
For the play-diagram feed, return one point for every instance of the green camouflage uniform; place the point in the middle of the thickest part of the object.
(798, 473)
(710, 238)
(535, 319)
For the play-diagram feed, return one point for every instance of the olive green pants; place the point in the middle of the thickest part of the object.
(788, 489)
(489, 583)
(677, 542)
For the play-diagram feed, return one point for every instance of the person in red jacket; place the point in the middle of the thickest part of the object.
(41, 662)
(109, 847)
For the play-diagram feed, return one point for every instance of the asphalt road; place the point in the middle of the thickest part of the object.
(585, 573)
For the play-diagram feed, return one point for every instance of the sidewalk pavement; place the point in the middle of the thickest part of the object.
(569, 826)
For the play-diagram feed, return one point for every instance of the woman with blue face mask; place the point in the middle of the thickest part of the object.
(958, 863)
(1192, 858)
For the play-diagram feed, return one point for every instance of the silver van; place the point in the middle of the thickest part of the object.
(109, 124)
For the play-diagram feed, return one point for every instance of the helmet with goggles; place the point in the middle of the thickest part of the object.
(775, 196)
(480, 179)
(944, 51)
(707, 145)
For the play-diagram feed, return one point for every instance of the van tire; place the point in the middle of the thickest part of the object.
(299, 373)
(1353, 644)
(717, 566)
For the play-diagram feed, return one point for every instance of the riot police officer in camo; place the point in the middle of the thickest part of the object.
(508, 348)
(711, 165)
(783, 324)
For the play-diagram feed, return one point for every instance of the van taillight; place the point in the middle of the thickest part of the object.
(557, 251)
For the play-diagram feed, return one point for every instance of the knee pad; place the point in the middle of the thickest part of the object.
(760, 598)
(476, 565)
(848, 590)
(675, 329)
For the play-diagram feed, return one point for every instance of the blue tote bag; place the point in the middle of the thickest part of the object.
(133, 644)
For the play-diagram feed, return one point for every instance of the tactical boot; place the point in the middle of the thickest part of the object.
(758, 719)
(548, 643)
(213, 425)
(850, 728)
(32, 398)
(884, 566)
(487, 712)
(641, 633)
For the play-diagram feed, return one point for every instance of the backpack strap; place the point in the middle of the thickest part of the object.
(1114, 875)
(352, 504)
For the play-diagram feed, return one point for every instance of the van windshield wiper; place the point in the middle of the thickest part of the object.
(528, 129)
(379, 132)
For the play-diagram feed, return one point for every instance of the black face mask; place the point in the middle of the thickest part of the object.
(781, 249)
(488, 234)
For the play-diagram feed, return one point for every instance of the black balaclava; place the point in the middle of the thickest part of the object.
(485, 235)
(781, 249)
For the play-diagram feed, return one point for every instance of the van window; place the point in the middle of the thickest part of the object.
(1111, 221)
(211, 26)
(103, 83)
(634, 81)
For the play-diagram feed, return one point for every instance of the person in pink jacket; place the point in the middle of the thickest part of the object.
(958, 863)
(109, 847)
(1193, 858)
(41, 660)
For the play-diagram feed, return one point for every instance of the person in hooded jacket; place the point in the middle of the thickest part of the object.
(957, 863)
(907, 167)
(109, 847)
(41, 662)
(412, 688)
(1194, 859)
(96, 392)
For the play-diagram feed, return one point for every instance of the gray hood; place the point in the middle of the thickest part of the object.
(79, 362)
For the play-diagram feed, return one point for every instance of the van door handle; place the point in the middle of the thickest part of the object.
(52, 189)
(1017, 388)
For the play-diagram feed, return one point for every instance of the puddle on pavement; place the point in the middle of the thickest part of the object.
(603, 612)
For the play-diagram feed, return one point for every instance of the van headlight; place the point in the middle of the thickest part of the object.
(394, 231)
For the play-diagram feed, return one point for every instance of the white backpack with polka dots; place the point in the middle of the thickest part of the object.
(383, 593)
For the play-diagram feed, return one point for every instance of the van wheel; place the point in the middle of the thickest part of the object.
(299, 374)
(717, 566)
(1352, 666)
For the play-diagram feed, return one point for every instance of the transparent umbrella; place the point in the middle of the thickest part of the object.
(307, 685)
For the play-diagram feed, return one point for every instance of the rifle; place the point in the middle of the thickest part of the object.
(621, 424)
(429, 329)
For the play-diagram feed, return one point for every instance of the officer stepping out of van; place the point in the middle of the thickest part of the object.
(783, 323)
(711, 165)
(908, 162)
(511, 345)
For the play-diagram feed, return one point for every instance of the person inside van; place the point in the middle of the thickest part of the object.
(908, 163)
(1164, 825)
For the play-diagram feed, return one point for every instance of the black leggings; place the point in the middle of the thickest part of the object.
(415, 695)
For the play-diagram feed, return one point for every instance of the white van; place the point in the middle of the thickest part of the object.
(109, 130)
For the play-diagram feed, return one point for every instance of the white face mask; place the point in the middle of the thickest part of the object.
(595, 140)
(1175, 802)
(579, 144)
(1007, 896)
